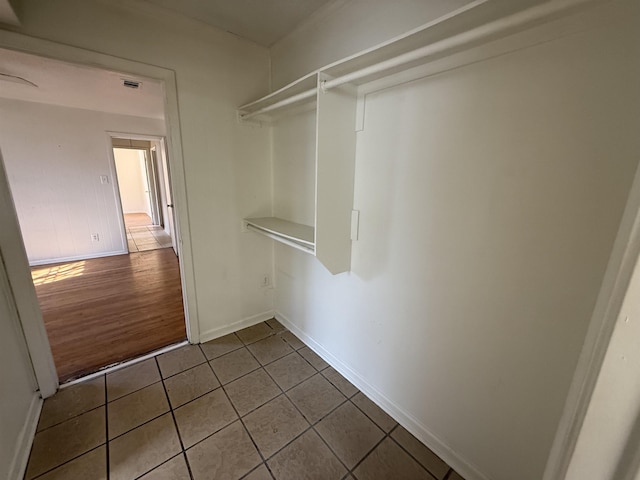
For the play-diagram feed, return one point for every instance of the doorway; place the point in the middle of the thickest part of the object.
(141, 175)
(72, 262)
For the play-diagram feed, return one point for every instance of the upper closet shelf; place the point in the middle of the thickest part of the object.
(475, 23)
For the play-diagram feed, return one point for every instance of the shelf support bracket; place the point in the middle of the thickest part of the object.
(247, 122)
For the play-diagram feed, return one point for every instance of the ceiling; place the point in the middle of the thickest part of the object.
(261, 21)
(76, 86)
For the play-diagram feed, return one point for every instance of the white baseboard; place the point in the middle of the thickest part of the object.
(421, 432)
(76, 258)
(25, 439)
(235, 326)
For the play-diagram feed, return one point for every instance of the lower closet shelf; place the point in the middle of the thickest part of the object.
(293, 234)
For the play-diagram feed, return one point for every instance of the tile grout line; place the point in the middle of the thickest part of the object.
(267, 466)
(246, 475)
(65, 462)
(386, 434)
(397, 426)
(181, 371)
(105, 444)
(264, 462)
(194, 399)
(134, 391)
(159, 465)
(348, 400)
(369, 452)
(294, 406)
(106, 428)
(281, 393)
(311, 425)
(175, 423)
(140, 425)
(70, 418)
(225, 353)
(265, 365)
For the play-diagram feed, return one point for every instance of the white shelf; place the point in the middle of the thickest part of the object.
(299, 92)
(293, 234)
(476, 23)
(333, 92)
(326, 148)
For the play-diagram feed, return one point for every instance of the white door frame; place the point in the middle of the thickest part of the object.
(114, 173)
(18, 271)
(622, 261)
(17, 266)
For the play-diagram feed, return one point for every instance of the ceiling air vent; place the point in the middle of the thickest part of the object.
(131, 83)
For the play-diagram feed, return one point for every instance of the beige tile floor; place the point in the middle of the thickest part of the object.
(145, 238)
(257, 404)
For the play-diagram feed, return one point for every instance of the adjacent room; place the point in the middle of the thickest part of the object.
(324, 239)
(94, 208)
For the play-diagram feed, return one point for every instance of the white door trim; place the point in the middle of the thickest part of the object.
(625, 254)
(113, 173)
(33, 326)
(23, 292)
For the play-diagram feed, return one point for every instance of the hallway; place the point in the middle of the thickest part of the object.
(105, 310)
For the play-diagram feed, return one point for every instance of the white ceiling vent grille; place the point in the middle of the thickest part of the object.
(131, 83)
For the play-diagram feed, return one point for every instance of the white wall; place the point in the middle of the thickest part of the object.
(54, 158)
(294, 145)
(490, 197)
(225, 163)
(132, 180)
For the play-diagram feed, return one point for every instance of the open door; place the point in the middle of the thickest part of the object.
(153, 190)
(159, 159)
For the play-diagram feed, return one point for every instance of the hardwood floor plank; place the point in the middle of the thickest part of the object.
(105, 310)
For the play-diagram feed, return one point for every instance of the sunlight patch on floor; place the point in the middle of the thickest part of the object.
(44, 275)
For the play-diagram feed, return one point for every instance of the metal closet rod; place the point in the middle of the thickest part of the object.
(484, 32)
(282, 103)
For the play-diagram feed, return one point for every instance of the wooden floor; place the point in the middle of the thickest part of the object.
(101, 311)
(137, 220)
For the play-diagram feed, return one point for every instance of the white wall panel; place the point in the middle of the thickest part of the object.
(54, 158)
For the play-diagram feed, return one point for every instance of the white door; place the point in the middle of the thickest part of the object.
(168, 197)
(153, 189)
(18, 280)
